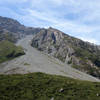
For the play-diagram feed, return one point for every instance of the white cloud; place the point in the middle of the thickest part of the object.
(42, 15)
(91, 40)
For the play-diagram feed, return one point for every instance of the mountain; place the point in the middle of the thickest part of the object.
(75, 52)
(23, 83)
(81, 55)
(13, 28)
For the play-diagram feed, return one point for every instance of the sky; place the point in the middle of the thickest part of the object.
(79, 18)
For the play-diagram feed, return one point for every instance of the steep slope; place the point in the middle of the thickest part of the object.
(39, 86)
(79, 54)
(12, 27)
(36, 61)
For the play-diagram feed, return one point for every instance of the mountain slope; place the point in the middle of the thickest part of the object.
(35, 61)
(79, 54)
(12, 27)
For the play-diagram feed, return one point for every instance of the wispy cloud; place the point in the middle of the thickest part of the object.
(80, 19)
(91, 40)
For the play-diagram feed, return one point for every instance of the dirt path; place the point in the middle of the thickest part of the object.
(36, 61)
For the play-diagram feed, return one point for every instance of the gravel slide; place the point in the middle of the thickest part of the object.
(36, 61)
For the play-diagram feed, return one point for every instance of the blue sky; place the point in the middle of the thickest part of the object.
(79, 18)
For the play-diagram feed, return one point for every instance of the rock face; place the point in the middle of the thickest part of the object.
(81, 55)
(14, 28)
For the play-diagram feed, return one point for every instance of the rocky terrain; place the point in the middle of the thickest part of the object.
(13, 29)
(74, 52)
(36, 61)
(81, 55)
(31, 59)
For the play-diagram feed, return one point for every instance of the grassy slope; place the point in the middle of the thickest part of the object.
(8, 51)
(39, 86)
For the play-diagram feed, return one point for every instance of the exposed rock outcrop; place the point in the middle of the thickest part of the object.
(12, 27)
(81, 55)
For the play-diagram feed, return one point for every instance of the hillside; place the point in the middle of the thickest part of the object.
(75, 52)
(39, 86)
(9, 51)
(81, 55)
(36, 61)
(14, 28)
(60, 47)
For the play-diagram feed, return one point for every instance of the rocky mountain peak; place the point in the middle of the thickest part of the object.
(58, 34)
(13, 27)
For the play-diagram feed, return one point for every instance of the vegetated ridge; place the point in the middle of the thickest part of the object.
(39, 86)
